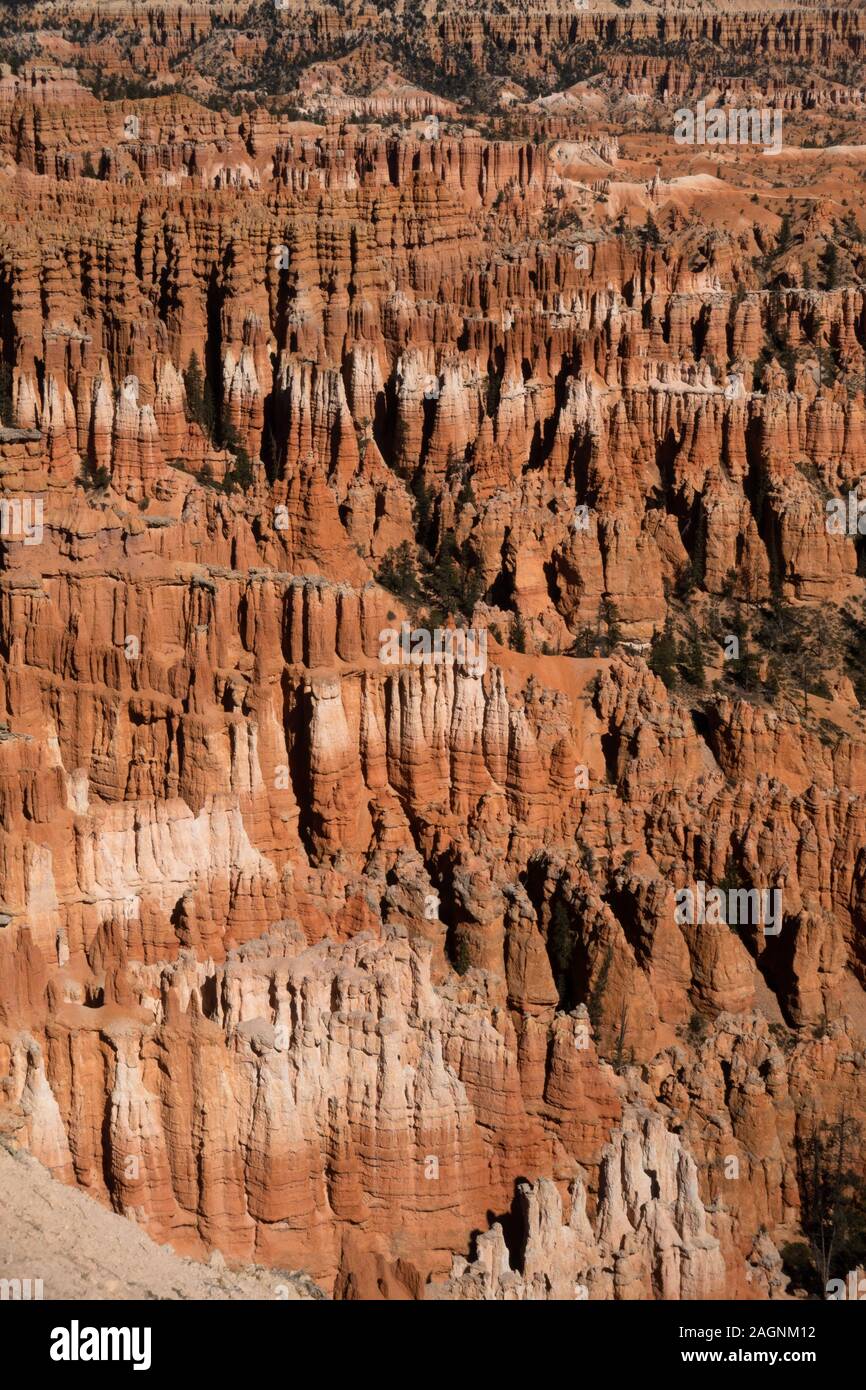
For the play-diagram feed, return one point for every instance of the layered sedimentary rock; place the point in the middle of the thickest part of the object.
(327, 958)
(650, 1239)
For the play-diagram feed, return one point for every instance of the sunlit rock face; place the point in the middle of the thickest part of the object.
(430, 623)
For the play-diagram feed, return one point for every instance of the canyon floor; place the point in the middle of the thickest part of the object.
(433, 649)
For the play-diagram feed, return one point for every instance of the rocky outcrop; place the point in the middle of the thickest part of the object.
(650, 1238)
(316, 950)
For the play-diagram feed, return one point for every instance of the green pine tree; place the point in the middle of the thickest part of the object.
(785, 232)
(397, 573)
(691, 662)
(595, 1002)
(518, 633)
(560, 947)
(663, 656)
(830, 264)
(194, 383)
(462, 960)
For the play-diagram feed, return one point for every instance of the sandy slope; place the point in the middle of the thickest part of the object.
(82, 1251)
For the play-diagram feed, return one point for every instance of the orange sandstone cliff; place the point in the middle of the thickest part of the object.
(330, 331)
